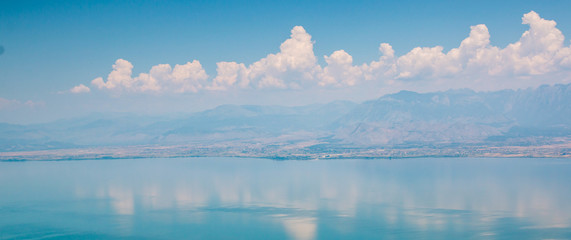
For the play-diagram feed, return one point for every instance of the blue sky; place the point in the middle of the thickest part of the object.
(52, 46)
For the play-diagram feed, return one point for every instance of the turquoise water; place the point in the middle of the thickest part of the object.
(235, 198)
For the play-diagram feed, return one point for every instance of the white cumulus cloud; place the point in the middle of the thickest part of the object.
(189, 77)
(80, 89)
(119, 78)
(295, 60)
(292, 67)
(538, 56)
(340, 70)
(229, 74)
(540, 51)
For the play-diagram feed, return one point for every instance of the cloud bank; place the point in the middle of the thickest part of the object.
(189, 77)
(539, 54)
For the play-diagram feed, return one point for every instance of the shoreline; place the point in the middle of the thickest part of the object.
(562, 150)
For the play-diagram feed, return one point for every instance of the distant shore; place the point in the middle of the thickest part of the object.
(561, 150)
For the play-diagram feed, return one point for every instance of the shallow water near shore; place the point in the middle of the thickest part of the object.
(237, 198)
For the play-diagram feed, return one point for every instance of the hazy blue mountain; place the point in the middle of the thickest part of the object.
(542, 107)
(93, 130)
(233, 122)
(404, 118)
(409, 117)
(457, 116)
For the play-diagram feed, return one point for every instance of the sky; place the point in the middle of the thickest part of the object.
(63, 59)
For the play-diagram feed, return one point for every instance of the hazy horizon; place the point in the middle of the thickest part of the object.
(188, 57)
(178, 114)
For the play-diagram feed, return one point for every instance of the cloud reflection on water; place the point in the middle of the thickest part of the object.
(302, 196)
(301, 228)
(122, 200)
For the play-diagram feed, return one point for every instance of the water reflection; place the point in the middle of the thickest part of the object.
(301, 228)
(261, 199)
(122, 200)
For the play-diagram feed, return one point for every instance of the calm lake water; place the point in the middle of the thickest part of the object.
(235, 198)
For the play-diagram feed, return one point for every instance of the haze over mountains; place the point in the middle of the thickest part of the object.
(404, 119)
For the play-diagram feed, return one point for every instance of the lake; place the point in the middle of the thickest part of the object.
(239, 198)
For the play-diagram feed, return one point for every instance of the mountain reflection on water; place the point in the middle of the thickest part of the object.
(232, 198)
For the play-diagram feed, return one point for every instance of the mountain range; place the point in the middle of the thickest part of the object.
(405, 119)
